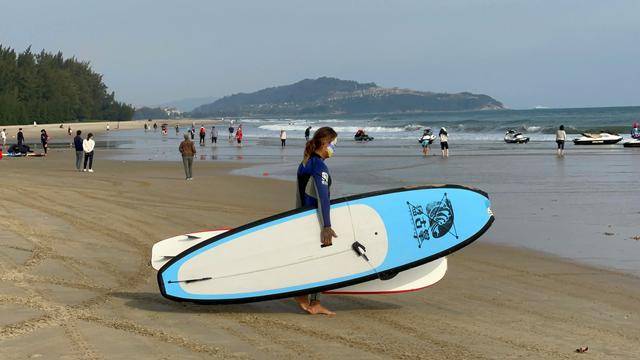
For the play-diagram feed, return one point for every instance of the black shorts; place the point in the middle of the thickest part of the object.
(560, 144)
(239, 140)
(444, 145)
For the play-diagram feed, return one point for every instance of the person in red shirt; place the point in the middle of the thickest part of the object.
(239, 135)
(203, 135)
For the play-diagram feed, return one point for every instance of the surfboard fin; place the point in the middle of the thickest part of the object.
(360, 250)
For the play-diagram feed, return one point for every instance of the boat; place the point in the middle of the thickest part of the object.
(514, 137)
(601, 138)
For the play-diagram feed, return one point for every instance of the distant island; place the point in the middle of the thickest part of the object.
(327, 95)
(47, 88)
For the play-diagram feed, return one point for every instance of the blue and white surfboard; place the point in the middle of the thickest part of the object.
(379, 234)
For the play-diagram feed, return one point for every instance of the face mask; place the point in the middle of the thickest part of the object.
(331, 149)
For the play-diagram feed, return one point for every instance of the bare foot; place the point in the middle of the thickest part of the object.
(303, 302)
(315, 308)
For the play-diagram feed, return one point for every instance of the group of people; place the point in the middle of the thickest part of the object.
(20, 139)
(428, 138)
(84, 149)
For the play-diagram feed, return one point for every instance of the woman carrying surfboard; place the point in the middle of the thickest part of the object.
(314, 183)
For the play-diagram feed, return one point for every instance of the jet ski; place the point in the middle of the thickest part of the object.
(514, 137)
(361, 136)
(635, 136)
(632, 143)
(602, 138)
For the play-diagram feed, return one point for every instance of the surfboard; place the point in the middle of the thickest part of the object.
(414, 279)
(380, 234)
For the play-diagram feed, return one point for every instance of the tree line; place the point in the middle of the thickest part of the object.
(48, 88)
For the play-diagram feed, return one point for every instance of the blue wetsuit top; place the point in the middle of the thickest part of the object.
(314, 183)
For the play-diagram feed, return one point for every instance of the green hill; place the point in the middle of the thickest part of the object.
(334, 96)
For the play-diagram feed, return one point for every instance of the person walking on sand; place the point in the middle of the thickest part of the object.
(214, 135)
(188, 150)
(108, 127)
(561, 137)
(444, 142)
(203, 135)
(3, 137)
(313, 189)
(283, 138)
(88, 145)
(239, 135)
(44, 140)
(307, 133)
(20, 137)
(77, 144)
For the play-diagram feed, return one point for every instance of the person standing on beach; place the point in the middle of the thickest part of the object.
(561, 137)
(239, 135)
(188, 151)
(77, 144)
(3, 137)
(203, 135)
(231, 129)
(426, 140)
(44, 140)
(155, 126)
(283, 138)
(214, 135)
(88, 145)
(307, 133)
(313, 189)
(444, 142)
(20, 137)
(69, 130)
(177, 129)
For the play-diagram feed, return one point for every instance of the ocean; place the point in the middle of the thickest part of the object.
(584, 207)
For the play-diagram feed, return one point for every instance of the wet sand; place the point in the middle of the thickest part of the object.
(75, 281)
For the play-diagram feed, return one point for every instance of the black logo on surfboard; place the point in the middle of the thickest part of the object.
(435, 220)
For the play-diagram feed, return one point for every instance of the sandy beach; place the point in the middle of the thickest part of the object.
(75, 281)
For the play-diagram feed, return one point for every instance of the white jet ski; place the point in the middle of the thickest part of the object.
(632, 143)
(514, 137)
(602, 138)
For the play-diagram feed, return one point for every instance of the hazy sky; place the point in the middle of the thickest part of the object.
(524, 53)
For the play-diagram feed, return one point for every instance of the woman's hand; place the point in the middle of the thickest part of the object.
(326, 235)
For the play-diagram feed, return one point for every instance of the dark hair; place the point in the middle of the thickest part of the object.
(442, 131)
(78, 132)
(322, 136)
(561, 127)
(89, 136)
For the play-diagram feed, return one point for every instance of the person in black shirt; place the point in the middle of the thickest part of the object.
(20, 137)
(77, 144)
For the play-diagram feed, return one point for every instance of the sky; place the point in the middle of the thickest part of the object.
(558, 53)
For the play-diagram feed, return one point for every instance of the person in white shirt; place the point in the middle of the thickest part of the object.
(3, 137)
(444, 142)
(561, 137)
(283, 138)
(87, 145)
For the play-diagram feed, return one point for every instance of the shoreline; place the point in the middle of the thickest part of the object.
(76, 283)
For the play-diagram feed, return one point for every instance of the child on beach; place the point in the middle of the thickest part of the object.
(283, 138)
(88, 145)
(444, 142)
(231, 129)
(44, 140)
(313, 184)
(188, 151)
(561, 137)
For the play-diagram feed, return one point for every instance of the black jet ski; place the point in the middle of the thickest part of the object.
(514, 137)
(601, 138)
(361, 136)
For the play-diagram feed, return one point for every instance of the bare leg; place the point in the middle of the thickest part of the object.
(303, 302)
